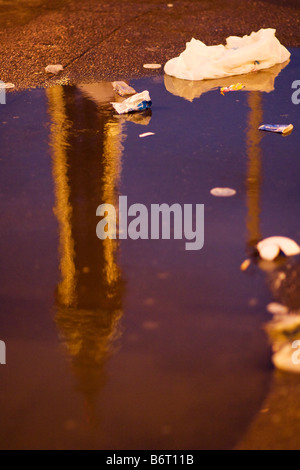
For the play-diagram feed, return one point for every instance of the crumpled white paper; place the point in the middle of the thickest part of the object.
(138, 102)
(258, 51)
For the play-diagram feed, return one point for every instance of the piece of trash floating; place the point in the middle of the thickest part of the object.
(270, 248)
(170, 5)
(287, 359)
(123, 89)
(135, 103)
(223, 192)
(236, 87)
(146, 134)
(286, 326)
(54, 69)
(275, 308)
(245, 265)
(152, 66)
(263, 81)
(240, 55)
(277, 128)
(269, 252)
(7, 86)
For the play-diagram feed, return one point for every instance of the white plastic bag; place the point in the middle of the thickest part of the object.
(263, 81)
(136, 103)
(258, 51)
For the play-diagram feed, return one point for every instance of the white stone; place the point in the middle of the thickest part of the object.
(54, 69)
(152, 66)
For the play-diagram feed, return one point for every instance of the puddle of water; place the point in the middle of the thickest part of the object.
(139, 344)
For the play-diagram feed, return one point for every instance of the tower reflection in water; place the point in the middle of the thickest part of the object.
(86, 150)
(254, 174)
(283, 279)
(255, 84)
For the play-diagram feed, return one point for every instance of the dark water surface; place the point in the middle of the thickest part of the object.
(140, 344)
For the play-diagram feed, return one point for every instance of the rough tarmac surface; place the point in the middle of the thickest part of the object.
(107, 39)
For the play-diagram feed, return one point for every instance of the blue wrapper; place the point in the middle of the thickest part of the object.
(277, 128)
(136, 103)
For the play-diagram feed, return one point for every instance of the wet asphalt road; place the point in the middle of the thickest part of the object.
(100, 40)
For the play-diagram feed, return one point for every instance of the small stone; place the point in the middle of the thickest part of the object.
(54, 69)
(152, 66)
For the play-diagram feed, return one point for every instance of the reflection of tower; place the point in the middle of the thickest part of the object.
(86, 148)
(254, 176)
(273, 428)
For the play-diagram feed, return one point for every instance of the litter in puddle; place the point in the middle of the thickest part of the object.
(135, 103)
(236, 87)
(269, 252)
(277, 128)
(270, 248)
(287, 325)
(54, 69)
(287, 359)
(283, 331)
(223, 192)
(241, 55)
(245, 265)
(146, 134)
(275, 308)
(123, 89)
(190, 90)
